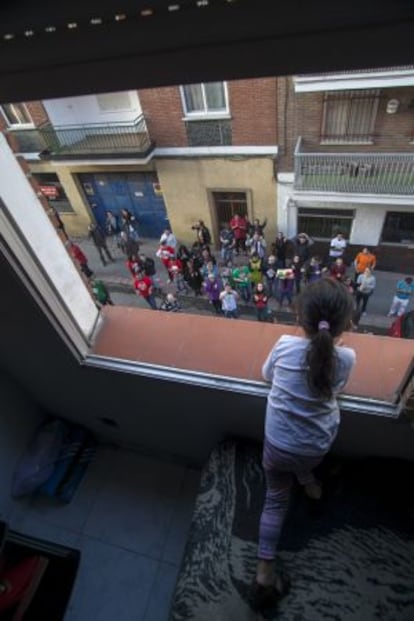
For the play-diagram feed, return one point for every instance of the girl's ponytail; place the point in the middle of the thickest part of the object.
(320, 362)
(324, 312)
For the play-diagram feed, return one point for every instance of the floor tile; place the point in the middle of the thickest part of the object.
(135, 507)
(181, 519)
(161, 594)
(112, 584)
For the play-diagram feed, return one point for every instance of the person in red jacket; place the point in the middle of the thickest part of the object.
(80, 258)
(143, 287)
(260, 299)
(239, 226)
(338, 269)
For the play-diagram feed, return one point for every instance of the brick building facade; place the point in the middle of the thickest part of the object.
(346, 161)
(315, 152)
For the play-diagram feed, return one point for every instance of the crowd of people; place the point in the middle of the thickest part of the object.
(246, 270)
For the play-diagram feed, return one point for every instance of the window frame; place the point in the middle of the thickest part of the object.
(348, 96)
(325, 216)
(206, 114)
(399, 244)
(12, 126)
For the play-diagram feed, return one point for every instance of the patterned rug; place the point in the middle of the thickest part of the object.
(350, 557)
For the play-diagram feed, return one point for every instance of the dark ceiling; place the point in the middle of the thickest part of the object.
(126, 44)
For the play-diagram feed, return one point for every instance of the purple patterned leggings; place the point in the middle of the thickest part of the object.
(280, 469)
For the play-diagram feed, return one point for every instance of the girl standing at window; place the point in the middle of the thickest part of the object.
(302, 417)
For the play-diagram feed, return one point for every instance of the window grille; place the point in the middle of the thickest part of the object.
(349, 116)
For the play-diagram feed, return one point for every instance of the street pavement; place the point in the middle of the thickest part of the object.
(118, 280)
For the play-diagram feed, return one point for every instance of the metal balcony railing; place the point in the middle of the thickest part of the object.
(376, 173)
(27, 140)
(103, 139)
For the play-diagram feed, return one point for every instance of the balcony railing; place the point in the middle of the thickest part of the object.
(371, 173)
(94, 139)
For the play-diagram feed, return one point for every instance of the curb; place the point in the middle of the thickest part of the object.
(124, 286)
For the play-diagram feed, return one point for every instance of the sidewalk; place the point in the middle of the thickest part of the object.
(117, 277)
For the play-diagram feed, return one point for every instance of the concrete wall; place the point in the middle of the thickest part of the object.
(160, 417)
(186, 185)
(19, 417)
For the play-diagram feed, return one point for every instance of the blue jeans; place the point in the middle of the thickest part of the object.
(226, 254)
(271, 284)
(231, 314)
(151, 302)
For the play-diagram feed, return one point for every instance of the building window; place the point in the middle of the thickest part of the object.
(325, 223)
(16, 114)
(52, 189)
(398, 228)
(209, 133)
(205, 99)
(349, 116)
(114, 102)
(226, 204)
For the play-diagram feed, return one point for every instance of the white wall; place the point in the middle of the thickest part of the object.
(286, 210)
(368, 221)
(123, 107)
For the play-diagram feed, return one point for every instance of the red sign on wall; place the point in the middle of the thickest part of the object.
(50, 191)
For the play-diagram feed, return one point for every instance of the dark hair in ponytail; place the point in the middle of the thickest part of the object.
(324, 312)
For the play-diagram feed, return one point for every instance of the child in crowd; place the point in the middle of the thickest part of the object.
(302, 418)
(100, 293)
(338, 269)
(314, 270)
(256, 270)
(260, 299)
(170, 304)
(143, 287)
(269, 270)
(298, 271)
(285, 283)
(241, 279)
(228, 299)
(213, 288)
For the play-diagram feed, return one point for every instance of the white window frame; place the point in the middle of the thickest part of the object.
(196, 115)
(12, 126)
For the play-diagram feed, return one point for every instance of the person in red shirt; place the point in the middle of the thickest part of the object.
(239, 226)
(80, 258)
(338, 269)
(143, 287)
(134, 264)
(165, 254)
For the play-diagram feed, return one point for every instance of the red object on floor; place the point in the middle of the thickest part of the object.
(16, 580)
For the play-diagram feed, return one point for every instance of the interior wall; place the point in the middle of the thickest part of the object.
(19, 417)
(172, 419)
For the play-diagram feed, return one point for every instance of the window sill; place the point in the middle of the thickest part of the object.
(346, 142)
(228, 355)
(211, 116)
(12, 128)
(398, 244)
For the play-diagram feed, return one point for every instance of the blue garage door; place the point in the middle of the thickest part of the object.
(140, 193)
